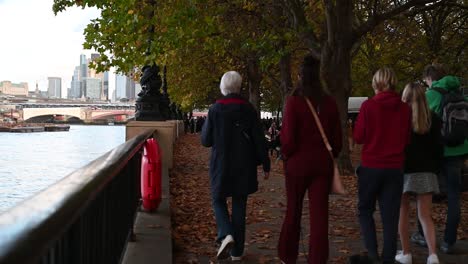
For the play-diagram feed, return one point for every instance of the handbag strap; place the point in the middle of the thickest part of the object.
(319, 125)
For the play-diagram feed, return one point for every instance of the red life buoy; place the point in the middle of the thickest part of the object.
(151, 170)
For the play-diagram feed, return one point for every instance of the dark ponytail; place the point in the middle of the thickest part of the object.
(309, 82)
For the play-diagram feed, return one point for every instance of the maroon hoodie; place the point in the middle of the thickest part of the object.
(384, 128)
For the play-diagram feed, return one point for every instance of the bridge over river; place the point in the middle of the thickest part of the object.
(38, 112)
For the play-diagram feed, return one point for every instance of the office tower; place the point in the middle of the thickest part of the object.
(137, 89)
(103, 76)
(124, 87)
(83, 74)
(55, 87)
(93, 88)
(91, 71)
(105, 87)
(100, 77)
(120, 86)
(130, 89)
(76, 84)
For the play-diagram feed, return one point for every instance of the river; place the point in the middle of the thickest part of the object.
(30, 162)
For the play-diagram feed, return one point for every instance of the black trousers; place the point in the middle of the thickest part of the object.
(452, 173)
(385, 186)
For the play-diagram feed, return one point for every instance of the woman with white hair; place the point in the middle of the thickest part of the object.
(234, 133)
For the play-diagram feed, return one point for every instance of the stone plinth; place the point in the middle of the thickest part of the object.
(181, 127)
(178, 127)
(164, 134)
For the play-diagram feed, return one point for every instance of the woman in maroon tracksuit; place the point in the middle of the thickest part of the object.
(308, 166)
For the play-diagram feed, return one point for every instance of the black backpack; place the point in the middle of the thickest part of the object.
(454, 115)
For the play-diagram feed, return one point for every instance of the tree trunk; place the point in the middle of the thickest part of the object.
(254, 78)
(286, 81)
(336, 66)
(335, 73)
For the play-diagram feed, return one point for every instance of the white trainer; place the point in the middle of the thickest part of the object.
(404, 258)
(433, 259)
(225, 248)
(236, 258)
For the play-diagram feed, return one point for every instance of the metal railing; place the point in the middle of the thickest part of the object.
(87, 217)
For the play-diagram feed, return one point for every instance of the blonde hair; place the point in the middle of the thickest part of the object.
(230, 83)
(384, 79)
(414, 95)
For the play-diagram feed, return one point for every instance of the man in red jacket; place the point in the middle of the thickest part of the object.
(384, 128)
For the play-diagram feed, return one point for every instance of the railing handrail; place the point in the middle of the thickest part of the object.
(27, 229)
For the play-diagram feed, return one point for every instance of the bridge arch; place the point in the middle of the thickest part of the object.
(76, 112)
(103, 114)
(54, 118)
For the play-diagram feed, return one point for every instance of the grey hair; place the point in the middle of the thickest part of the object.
(230, 83)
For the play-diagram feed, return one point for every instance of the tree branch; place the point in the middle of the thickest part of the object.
(299, 23)
(376, 19)
(275, 81)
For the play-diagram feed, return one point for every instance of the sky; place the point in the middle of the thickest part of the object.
(36, 44)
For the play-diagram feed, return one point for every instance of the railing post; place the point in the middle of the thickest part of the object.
(135, 178)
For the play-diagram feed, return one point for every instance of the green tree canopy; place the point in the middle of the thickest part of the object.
(265, 40)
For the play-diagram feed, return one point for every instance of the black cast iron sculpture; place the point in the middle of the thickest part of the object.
(151, 105)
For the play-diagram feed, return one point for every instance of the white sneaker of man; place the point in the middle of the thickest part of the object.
(236, 258)
(404, 258)
(225, 248)
(433, 259)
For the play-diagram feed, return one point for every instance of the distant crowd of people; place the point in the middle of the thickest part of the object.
(409, 143)
(193, 124)
(272, 130)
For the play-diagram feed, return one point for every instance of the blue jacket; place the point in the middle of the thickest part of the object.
(238, 145)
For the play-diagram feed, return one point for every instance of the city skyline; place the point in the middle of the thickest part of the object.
(38, 45)
(87, 83)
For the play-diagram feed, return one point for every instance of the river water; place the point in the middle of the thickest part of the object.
(30, 162)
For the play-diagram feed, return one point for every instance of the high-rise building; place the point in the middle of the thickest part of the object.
(55, 87)
(137, 89)
(93, 88)
(83, 74)
(75, 91)
(93, 73)
(103, 76)
(124, 87)
(120, 86)
(105, 87)
(130, 89)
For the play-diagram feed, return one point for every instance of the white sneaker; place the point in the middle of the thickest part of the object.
(404, 258)
(433, 259)
(225, 248)
(236, 258)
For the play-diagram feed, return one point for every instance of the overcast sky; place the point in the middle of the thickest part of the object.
(36, 44)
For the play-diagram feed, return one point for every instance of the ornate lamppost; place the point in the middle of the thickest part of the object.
(151, 104)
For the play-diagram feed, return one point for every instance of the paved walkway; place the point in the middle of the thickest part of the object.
(194, 228)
